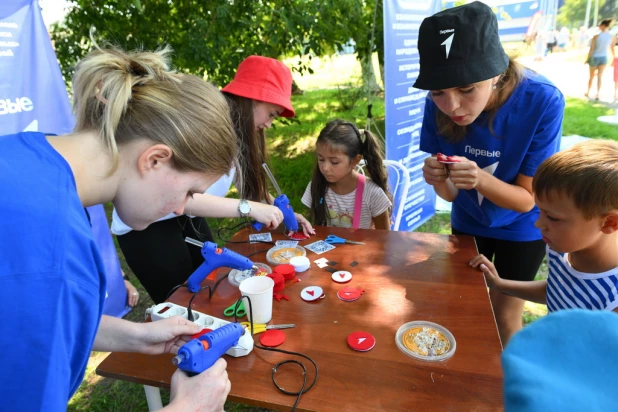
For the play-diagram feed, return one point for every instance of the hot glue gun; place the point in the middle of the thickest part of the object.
(201, 353)
(283, 203)
(215, 257)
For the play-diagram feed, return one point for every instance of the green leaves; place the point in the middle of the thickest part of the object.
(211, 37)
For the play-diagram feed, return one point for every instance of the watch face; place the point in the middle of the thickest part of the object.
(244, 207)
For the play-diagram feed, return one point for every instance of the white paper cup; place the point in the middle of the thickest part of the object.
(260, 290)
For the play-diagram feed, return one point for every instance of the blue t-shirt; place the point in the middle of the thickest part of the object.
(527, 130)
(52, 280)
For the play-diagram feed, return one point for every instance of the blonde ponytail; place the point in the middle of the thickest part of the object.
(127, 96)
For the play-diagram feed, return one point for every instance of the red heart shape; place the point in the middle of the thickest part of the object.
(311, 292)
(342, 275)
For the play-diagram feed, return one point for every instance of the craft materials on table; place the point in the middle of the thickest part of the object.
(341, 276)
(260, 290)
(260, 237)
(240, 310)
(279, 255)
(425, 341)
(350, 294)
(286, 243)
(287, 270)
(320, 247)
(312, 293)
(322, 262)
(237, 276)
(300, 263)
(361, 341)
(297, 236)
(272, 338)
(261, 327)
(336, 240)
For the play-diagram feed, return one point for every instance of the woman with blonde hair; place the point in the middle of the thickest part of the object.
(146, 139)
(159, 256)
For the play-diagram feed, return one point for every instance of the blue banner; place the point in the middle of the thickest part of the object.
(33, 97)
(405, 104)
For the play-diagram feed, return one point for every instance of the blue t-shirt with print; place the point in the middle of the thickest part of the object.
(52, 279)
(526, 131)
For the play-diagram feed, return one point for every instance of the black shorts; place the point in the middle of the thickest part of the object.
(513, 260)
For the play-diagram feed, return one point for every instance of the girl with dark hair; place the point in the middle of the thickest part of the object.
(340, 196)
(499, 121)
(159, 255)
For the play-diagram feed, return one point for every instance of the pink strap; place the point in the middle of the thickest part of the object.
(358, 200)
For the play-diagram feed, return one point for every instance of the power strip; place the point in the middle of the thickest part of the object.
(167, 310)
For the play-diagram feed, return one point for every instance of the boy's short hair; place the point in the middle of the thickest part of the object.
(586, 172)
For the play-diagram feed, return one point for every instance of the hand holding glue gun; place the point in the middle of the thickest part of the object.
(201, 353)
(290, 219)
(215, 257)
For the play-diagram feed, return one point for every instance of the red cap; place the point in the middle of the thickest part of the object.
(264, 79)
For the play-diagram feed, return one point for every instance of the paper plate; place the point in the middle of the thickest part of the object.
(237, 276)
(282, 254)
(406, 343)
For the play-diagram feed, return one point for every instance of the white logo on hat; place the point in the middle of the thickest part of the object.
(447, 43)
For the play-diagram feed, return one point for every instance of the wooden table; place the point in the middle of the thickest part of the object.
(406, 277)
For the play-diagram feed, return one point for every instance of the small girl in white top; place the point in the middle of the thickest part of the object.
(338, 195)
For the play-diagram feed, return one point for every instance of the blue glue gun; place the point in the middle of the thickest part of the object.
(283, 203)
(215, 257)
(199, 354)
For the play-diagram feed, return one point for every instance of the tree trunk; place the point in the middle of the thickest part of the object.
(369, 76)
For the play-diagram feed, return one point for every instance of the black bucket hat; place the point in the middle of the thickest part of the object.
(459, 46)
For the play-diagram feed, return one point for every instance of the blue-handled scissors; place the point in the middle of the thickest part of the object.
(332, 239)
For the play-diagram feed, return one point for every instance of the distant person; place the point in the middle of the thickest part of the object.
(340, 196)
(551, 41)
(500, 121)
(563, 39)
(540, 45)
(597, 57)
(576, 191)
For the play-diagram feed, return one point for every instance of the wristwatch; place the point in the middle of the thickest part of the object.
(244, 208)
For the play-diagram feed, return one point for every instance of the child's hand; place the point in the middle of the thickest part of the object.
(308, 230)
(488, 269)
(434, 172)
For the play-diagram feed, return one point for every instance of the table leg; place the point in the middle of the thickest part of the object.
(153, 397)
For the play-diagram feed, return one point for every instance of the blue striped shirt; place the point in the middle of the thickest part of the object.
(568, 289)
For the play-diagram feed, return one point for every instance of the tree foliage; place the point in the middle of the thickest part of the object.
(210, 37)
(573, 12)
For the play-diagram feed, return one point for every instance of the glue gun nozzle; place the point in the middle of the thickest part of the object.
(255, 268)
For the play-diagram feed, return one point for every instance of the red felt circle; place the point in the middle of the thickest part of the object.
(286, 270)
(277, 278)
(272, 338)
(349, 293)
(298, 236)
(361, 341)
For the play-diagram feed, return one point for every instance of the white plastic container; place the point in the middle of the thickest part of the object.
(260, 290)
(300, 263)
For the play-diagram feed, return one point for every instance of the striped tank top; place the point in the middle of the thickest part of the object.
(569, 289)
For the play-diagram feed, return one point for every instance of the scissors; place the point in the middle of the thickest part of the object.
(260, 327)
(240, 311)
(332, 239)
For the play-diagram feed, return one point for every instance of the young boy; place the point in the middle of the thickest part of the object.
(576, 191)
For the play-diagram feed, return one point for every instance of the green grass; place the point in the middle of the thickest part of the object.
(291, 150)
(580, 118)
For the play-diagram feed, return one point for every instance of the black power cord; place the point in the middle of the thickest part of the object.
(303, 389)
